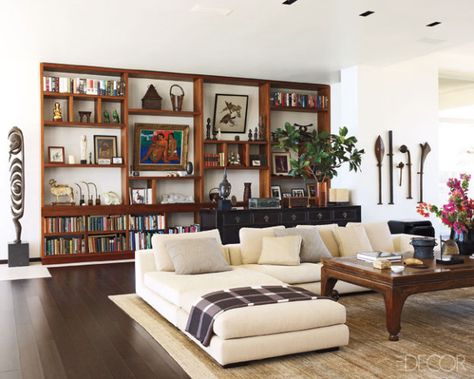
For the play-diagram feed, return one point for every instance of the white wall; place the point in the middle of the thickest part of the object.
(402, 98)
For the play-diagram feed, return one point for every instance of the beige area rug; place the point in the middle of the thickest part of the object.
(436, 342)
(34, 271)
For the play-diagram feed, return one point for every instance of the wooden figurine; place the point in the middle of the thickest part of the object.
(250, 134)
(255, 134)
(57, 113)
(208, 129)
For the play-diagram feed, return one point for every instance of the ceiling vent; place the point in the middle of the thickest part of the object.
(366, 13)
(436, 23)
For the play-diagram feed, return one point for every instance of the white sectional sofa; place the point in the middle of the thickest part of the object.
(258, 332)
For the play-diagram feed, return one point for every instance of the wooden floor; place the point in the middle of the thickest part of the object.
(66, 327)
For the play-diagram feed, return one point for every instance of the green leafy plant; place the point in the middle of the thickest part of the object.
(320, 154)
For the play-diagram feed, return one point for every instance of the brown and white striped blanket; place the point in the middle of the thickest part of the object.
(203, 313)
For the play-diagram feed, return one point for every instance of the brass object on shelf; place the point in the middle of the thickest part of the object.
(177, 100)
(57, 112)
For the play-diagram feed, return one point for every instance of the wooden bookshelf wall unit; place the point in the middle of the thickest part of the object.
(137, 218)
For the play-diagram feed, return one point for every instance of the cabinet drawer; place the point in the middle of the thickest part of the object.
(320, 215)
(345, 215)
(294, 217)
(270, 218)
(236, 219)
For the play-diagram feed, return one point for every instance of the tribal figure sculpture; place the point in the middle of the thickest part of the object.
(17, 178)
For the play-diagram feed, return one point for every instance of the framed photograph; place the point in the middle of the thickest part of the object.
(230, 113)
(138, 196)
(276, 192)
(311, 190)
(281, 163)
(117, 160)
(56, 154)
(160, 147)
(297, 192)
(105, 147)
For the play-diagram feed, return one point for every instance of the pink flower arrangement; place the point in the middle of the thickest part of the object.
(458, 212)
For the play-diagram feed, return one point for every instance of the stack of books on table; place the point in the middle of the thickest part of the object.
(371, 256)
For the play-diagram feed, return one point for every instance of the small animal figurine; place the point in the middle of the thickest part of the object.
(57, 113)
(106, 117)
(59, 190)
(115, 116)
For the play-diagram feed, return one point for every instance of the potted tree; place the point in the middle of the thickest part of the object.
(319, 154)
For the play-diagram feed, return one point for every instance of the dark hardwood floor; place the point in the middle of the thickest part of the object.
(66, 327)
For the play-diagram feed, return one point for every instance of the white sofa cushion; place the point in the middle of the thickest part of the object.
(312, 246)
(292, 316)
(251, 242)
(327, 235)
(304, 273)
(352, 240)
(379, 235)
(196, 256)
(162, 259)
(183, 290)
(283, 251)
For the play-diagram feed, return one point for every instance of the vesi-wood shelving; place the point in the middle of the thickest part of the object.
(246, 149)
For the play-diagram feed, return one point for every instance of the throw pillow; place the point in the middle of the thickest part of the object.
(196, 256)
(352, 240)
(327, 235)
(379, 235)
(251, 242)
(312, 246)
(162, 259)
(283, 251)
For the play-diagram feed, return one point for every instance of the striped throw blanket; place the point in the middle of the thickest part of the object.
(203, 313)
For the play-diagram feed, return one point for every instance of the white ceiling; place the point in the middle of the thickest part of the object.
(309, 40)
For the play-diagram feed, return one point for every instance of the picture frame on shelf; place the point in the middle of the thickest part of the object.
(56, 154)
(257, 160)
(276, 191)
(312, 190)
(117, 160)
(297, 192)
(281, 163)
(104, 161)
(138, 195)
(105, 148)
(256, 163)
(160, 147)
(230, 113)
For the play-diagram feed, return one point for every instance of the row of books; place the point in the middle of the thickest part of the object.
(83, 86)
(142, 240)
(214, 160)
(63, 224)
(107, 243)
(64, 246)
(141, 196)
(107, 223)
(296, 100)
(151, 222)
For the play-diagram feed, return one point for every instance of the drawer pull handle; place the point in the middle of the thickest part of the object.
(237, 219)
(293, 217)
(266, 218)
(344, 214)
(319, 216)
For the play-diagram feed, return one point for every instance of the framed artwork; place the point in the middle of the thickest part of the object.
(230, 113)
(56, 154)
(160, 147)
(281, 163)
(105, 148)
(276, 191)
(138, 196)
(297, 192)
(311, 190)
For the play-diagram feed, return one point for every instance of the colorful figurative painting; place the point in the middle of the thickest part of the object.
(230, 113)
(160, 147)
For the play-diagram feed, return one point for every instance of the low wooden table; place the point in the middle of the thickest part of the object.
(396, 287)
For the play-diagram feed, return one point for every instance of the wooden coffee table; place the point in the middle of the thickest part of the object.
(396, 287)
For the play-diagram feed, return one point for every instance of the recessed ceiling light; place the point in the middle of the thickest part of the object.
(289, 2)
(211, 10)
(436, 23)
(366, 13)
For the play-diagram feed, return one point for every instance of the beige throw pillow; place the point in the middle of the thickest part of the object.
(196, 256)
(283, 251)
(379, 235)
(327, 235)
(312, 246)
(251, 242)
(352, 240)
(162, 258)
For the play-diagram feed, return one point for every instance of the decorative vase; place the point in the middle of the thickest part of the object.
(465, 241)
(247, 194)
(423, 247)
(189, 168)
(322, 194)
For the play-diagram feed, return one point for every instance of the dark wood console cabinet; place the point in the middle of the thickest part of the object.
(229, 222)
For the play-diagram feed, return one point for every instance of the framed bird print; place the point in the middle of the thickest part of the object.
(230, 113)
